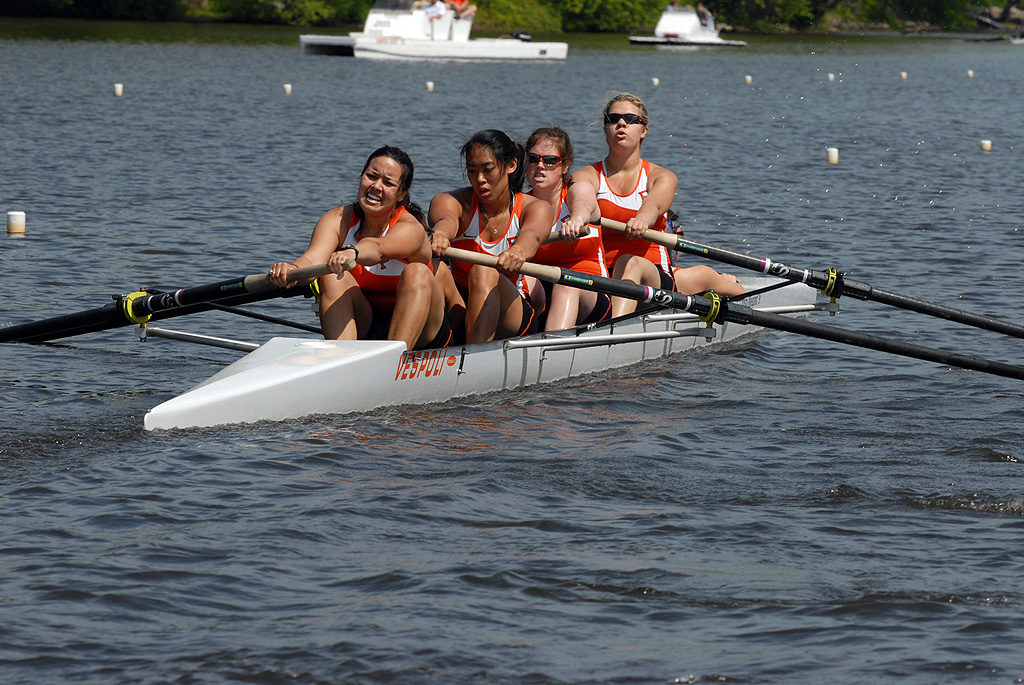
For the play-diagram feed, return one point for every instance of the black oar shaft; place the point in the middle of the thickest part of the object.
(829, 282)
(741, 314)
(129, 310)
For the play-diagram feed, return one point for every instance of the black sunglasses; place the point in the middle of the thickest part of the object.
(611, 118)
(549, 160)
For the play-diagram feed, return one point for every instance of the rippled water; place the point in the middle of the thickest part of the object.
(782, 510)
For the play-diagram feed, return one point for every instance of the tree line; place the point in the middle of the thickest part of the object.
(766, 16)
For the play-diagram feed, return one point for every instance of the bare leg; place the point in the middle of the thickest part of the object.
(568, 306)
(419, 307)
(494, 309)
(637, 270)
(344, 311)
(453, 300)
(697, 279)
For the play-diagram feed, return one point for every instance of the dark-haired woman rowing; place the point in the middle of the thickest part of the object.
(392, 291)
(492, 217)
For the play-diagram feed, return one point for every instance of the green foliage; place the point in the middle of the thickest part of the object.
(610, 15)
(768, 15)
(294, 12)
(508, 15)
(535, 15)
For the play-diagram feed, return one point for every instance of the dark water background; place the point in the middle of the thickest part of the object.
(785, 510)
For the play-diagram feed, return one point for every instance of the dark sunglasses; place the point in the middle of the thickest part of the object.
(611, 119)
(549, 160)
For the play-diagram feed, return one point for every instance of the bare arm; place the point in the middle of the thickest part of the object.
(323, 243)
(661, 191)
(583, 209)
(406, 239)
(445, 217)
(534, 227)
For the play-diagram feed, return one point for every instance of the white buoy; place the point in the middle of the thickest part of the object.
(430, 85)
(287, 89)
(16, 223)
(832, 155)
(831, 76)
(655, 81)
(986, 145)
(748, 78)
(970, 73)
(118, 89)
(903, 75)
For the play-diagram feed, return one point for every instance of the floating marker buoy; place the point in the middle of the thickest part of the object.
(748, 78)
(16, 223)
(655, 81)
(970, 73)
(831, 76)
(430, 85)
(832, 155)
(903, 75)
(118, 89)
(986, 145)
(287, 89)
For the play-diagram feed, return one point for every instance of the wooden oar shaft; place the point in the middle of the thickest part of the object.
(742, 314)
(830, 283)
(128, 310)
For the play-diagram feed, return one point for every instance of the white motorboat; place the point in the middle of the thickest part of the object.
(289, 378)
(401, 29)
(682, 27)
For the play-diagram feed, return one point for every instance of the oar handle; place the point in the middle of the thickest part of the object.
(260, 282)
(551, 274)
(659, 237)
(556, 236)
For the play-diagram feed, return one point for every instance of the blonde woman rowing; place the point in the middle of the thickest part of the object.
(638, 193)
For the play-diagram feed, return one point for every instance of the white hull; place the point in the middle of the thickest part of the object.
(407, 34)
(682, 27)
(294, 377)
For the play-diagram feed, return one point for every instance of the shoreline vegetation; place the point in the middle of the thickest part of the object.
(568, 16)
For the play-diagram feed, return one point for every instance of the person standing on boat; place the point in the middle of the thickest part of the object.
(492, 217)
(392, 291)
(638, 193)
(549, 158)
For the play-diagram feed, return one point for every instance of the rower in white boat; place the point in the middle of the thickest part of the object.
(381, 285)
(492, 217)
(549, 158)
(638, 193)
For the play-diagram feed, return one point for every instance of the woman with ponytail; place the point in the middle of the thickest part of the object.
(391, 292)
(493, 217)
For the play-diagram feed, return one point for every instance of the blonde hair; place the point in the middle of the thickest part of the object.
(631, 99)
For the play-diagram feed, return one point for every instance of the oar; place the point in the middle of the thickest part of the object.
(718, 310)
(831, 282)
(139, 307)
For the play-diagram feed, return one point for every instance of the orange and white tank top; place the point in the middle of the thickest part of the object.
(379, 282)
(623, 208)
(473, 241)
(585, 254)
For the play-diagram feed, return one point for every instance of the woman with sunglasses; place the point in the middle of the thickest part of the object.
(638, 193)
(492, 217)
(391, 292)
(549, 157)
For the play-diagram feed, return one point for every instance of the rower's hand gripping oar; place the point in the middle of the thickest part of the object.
(138, 307)
(831, 282)
(714, 309)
